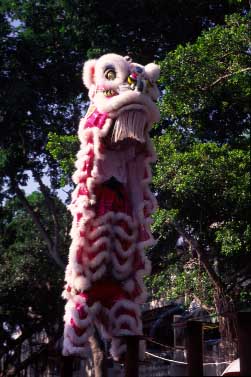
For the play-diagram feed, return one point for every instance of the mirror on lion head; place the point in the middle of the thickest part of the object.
(125, 90)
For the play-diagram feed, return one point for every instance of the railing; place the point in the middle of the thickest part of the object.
(193, 360)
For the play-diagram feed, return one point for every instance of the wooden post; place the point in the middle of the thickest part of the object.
(177, 331)
(66, 366)
(179, 347)
(194, 340)
(132, 356)
(244, 337)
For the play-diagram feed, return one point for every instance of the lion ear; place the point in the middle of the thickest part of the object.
(89, 72)
(152, 71)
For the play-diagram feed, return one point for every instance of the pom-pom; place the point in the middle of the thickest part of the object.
(81, 284)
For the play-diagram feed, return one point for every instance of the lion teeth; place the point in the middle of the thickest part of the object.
(109, 93)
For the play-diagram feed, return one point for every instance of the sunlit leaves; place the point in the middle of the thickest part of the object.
(172, 283)
(202, 176)
(63, 149)
(207, 84)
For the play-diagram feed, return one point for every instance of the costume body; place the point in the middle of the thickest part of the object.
(111, 205)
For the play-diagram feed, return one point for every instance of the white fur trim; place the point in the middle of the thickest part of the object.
(81, 323)
(126, 304)
(81, 283)
(100, 258)
(99, 230)
(76, 339)
(70, 349)
(121, 232)
(128, 320)
(99, 242)
(124, 268)
(99, 273)
(121, 252)
(152, 72)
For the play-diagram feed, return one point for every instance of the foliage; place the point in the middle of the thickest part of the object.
(42, 50)
(63, 149)
(43, 46)
(187, 281)
(213, 178)
(202, 177)
(30, 285)
(207, 84)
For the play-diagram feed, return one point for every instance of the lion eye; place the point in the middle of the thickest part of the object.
(110, 74)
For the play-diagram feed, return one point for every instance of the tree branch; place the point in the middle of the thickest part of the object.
(194, 244)
(224, 77)
(44, 235)
(51, 207)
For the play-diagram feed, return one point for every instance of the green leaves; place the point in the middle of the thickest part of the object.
(28, 279)
(202, 166)
(63, 149)
(174, 282)
(234, 237)
(202, 176)
(210, 80)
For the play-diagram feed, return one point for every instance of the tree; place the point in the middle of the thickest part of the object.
(43, 46)
(42, 50)
(30, 286)
(202, 175)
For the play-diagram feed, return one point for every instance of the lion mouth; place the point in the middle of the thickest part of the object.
(110, 93)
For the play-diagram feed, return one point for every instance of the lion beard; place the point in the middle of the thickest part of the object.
(130, 124)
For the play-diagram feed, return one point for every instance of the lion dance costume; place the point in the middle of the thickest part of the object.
(111, 204)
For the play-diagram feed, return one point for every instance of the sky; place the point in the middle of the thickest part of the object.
(33, 186)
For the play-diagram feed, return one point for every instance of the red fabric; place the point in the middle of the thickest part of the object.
(96, 119)
(143, 233)
(106, 292)
(108, 199)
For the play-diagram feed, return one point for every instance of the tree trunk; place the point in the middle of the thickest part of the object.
(225, 308)
(224, 305)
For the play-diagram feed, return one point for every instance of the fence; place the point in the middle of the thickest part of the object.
(193, 363)
(192, 358)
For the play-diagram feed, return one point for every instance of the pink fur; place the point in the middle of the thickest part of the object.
(89, 72)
